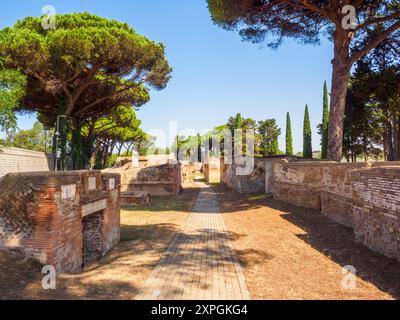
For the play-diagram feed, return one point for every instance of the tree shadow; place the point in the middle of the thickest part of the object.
(24, 282)
(339, 244)
(192, 259)
(140, 248)
(239, 202)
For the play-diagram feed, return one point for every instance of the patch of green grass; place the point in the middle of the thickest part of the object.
(197, 177)
(183, 203)
(256, 197)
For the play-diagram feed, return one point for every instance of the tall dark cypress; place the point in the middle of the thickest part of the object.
(307, 142)
(199, 155)
(325, 124)
(289, 138)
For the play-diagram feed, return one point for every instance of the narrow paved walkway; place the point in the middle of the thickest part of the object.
(200, 263)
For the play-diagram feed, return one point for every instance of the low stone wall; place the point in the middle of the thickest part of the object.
(319, 185)
(259, 181)
(42, 215)
(13, 160)
(158, 180)
(253, 183)
(376, 208)
(362, 196)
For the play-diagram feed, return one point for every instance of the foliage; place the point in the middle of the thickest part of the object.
(324, 126)
(307, 21)
(372, 109)
(289, 138)
(307, 139)
(36, 139)
(12, 90)
(268, 133)
(83, 69)
(102, 136)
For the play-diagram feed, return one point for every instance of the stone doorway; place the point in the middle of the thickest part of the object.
(93, 237)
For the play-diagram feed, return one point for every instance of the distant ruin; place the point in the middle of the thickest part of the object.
(364, 196)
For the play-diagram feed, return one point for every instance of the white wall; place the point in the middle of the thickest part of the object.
(20, 160)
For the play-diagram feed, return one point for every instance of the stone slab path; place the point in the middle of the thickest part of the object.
(200, 263)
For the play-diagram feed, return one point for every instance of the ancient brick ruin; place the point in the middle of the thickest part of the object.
(362, 196)
(63, 219)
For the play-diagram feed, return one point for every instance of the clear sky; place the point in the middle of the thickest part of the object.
(216, 75)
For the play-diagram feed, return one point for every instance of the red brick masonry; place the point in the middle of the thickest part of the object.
(63, 219)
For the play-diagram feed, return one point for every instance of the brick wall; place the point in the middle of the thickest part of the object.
(259, 181)
(363, 196)
(158, 180)
(51, 206)
(376, 209)
(319, 185)
(20, 160)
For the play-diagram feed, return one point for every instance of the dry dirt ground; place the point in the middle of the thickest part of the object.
(292, 253)
(145, 235)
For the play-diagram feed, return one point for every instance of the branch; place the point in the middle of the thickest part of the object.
(377, 20)
(99, 100)
(300, 4)
(374, 43)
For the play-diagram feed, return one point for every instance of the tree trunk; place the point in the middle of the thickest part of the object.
(395, 137)
(76, 145)
(120, 149)
(340, 79)
(390, 138)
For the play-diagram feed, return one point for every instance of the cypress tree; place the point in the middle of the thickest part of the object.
(198, 147)
(325, 124)
(237, 140)
(307, 142)
(239, 121)
(289, 139)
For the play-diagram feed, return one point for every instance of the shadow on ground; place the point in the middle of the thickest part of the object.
(329, 238)
(338, 243)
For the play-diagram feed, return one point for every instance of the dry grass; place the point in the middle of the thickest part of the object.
(292, 253)
(146, 233)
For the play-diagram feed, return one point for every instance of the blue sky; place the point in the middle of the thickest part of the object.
(215, 74)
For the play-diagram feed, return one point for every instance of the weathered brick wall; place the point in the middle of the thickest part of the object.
(15, 195)
(158, 180)
(49, 226)
(320, 185)
(112, 217)
(258, 181)
(363, 196)
(253, 183)
(20, 160)
(376, 208)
